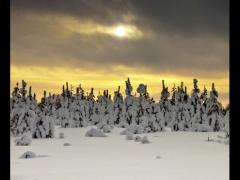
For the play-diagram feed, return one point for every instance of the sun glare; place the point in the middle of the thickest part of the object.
(120, 31)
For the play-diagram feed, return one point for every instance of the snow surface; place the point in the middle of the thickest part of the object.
(169, 156)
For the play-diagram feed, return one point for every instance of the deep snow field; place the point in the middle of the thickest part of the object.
(169, 156)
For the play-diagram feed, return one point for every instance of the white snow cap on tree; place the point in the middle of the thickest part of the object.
(141, 89)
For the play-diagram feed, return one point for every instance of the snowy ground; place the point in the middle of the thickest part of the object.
(183, 156)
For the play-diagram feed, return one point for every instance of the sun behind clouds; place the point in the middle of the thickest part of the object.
(120, 31)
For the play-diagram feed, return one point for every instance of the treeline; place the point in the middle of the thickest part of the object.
(176, 109)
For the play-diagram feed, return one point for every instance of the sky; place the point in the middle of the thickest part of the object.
(99, 43)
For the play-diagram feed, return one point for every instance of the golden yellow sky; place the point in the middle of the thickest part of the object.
(52, 79)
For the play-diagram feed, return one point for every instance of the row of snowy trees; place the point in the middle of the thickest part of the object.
(140, 114)
(28, 116)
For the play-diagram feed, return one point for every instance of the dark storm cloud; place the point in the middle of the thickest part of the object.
(185, 16)
(189, 36)
(173, 16)
(103, 11)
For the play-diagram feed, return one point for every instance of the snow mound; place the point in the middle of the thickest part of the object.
(61, 135)
(210, 140)
(93, 132)
(158, 157)
(24, 140)
(204, 128)
(129, 136)
(28, 154)
(106, 128)
(167, 129)
(66, 144)
(124, 132)
(137, 138)
(145, 140)
(219, 136)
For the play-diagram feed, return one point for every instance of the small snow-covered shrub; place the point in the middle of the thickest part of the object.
(145, 140)
(61, 135)
(66, 144)
(158, 157)
(148, 130)
(137, 138)
(93, 132)
(204, 128)
(167, 129)
(123, 124)
(191, 129)
(226, 142)
(129, 136)
(219, 136)
(24, 140)
(99, 125)
(227, 135)
(106, 128)
(28, 154)
(136, 129)
(124, 132)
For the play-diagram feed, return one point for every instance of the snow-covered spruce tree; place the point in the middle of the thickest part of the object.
(118, 116)
(108, 114)
(64, 113)
(226, 121)
(79, 108)
(194, 102)
(74, 109)
(204, 99)
(62, 107)
(89, 105)
(165, 105)
(31, 100)
(135, 110)
(213, 110)
(15, 98)
(99, 109)
(22, 114)
(154, 124)
(43, 125)
(160, 119)
(146, 116)
(177, 111)
(187, 107)
(128, 109)
(56, 108)
(186, 116)
(106, 120)
(140, 117)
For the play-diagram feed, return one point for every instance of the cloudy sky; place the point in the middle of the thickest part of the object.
(99, 43)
